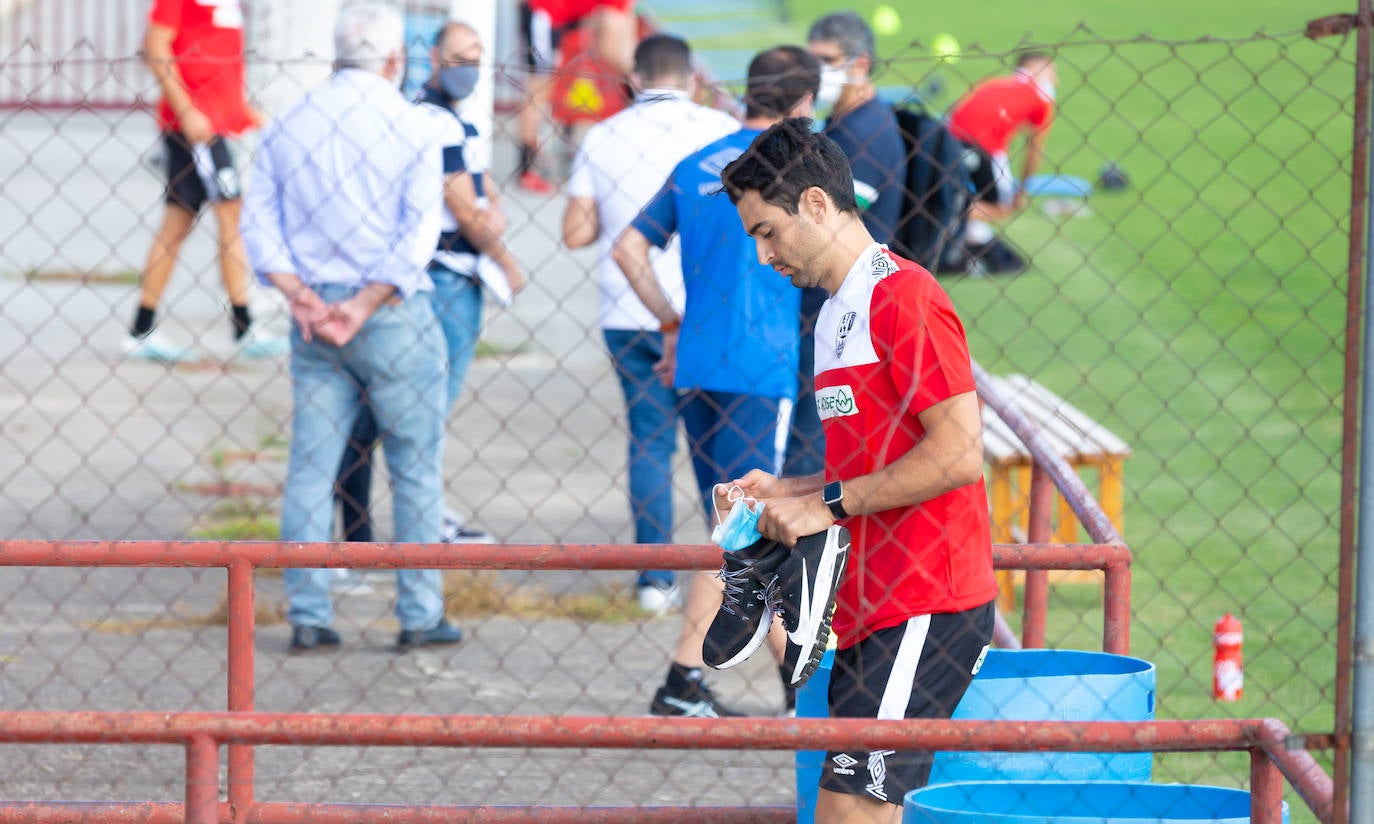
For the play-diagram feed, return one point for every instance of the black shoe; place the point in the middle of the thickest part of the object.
(442, 633)
(304, 639)
(746, 607)
(808, 581)
(697, 702)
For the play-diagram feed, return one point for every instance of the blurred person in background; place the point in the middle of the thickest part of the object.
(986, 120)
(614, 32)
(865, 128)
(622, 163)
(473, 224)
(732, 352)
(342, 216)
(195, 50)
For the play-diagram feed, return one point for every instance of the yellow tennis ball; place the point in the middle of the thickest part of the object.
(886, 21)
(945, 47)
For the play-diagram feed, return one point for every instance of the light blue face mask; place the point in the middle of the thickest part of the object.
(740, 527)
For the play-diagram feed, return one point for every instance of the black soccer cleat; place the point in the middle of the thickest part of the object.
(807, 583)
(746, 607)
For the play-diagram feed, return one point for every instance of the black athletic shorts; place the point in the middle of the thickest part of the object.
(987, 177)
(541, 40)
(197, 175)
(917, 669)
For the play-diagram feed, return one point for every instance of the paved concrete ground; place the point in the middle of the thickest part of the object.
(92, 446)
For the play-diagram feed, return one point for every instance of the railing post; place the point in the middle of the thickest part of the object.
(242, 632)
(1116, 608)
(1266, 789)
(202, 780)
(1037, 580)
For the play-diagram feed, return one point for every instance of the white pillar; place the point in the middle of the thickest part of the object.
(477, 109)
(290, 50)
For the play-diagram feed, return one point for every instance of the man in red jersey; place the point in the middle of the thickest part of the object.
(544, 22)
(903, 463)
(195, 50)
(990, 116)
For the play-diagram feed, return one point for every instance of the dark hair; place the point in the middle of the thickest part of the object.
(847, 30)
(785, 161)
(1025, 58)
(778, 79)
(450, 26)
(663, 56)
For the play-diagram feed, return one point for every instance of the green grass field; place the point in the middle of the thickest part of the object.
(1199, 315)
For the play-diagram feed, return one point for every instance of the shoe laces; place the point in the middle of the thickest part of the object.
(734, 588)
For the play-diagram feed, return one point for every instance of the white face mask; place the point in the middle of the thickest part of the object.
(833, 80)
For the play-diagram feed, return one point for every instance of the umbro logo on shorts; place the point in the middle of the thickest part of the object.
(844, 764)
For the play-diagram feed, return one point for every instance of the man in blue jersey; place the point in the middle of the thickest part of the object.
(733, 352)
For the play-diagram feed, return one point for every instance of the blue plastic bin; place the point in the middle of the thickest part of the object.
(1053, 685)
(813, 701)
(1070, 802)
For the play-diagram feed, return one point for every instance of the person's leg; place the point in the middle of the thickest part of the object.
(184, 196)
(652, 417)
(233, 260)
(918, 669)
(353, 490)
(540, 59)
(400, 354)
(458, 306)
(325, 402)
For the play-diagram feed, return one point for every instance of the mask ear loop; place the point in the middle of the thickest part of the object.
(733, 495)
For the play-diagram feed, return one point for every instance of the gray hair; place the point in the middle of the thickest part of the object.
(366, 35)
(848, 30)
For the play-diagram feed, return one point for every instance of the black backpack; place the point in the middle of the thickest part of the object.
(937, 191)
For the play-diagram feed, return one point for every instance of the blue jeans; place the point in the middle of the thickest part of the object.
(458, 304)
(651, 411)
(731, 433)
(397, 359)
(806, 441)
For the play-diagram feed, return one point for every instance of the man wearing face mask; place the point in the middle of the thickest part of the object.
(987, 119)
(342, 216)
(865, 128)
(472, 227)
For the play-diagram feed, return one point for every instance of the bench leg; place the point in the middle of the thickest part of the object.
(1066, 531)
(1003, 514)
(1112, 480)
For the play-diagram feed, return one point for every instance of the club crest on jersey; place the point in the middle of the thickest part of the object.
(835, 402)
(846, 326)
(882, 265)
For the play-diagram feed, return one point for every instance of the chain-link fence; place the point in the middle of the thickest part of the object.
(1191, 306)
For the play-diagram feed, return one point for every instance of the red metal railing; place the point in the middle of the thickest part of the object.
(202, 734)
(241, 728)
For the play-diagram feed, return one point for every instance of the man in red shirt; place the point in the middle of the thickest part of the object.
(903, 463)
(195, 50)
(544, 22)
(989, 117)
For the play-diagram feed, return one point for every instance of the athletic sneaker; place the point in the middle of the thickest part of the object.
(746, 607)
(808, 580)
(455, 531)
(257, 345)
(154, 347)
(532, 181)
(697, 702)
(659, 598)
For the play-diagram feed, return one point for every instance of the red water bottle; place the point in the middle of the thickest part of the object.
(1228, 675)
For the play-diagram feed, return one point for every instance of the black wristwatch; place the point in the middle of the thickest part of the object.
(833, 495)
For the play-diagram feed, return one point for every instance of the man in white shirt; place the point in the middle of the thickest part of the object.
(622, 164)
(342, 216)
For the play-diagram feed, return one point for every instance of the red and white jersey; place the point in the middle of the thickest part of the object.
(888, 347)
(209, 52)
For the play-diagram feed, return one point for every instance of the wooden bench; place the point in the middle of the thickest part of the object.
(1078, 439)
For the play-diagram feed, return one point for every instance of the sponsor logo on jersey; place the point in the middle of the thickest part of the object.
(835, 402)
(846, 326)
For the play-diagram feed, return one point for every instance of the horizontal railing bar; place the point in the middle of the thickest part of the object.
(278, 554)
(152, 812)
(626, 732)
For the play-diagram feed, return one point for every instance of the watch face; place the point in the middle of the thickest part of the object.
(833, 492)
